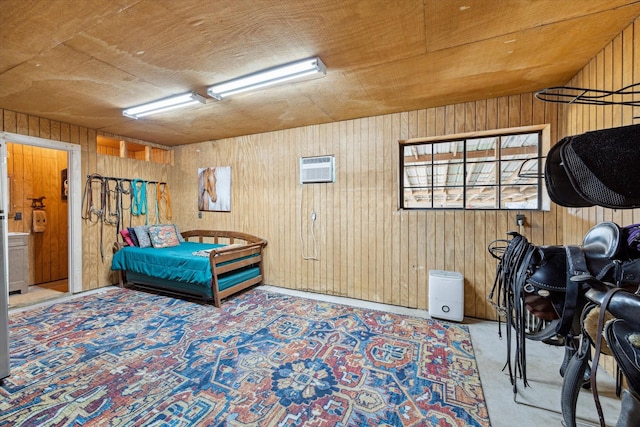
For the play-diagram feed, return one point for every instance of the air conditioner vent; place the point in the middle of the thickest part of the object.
(317, 169)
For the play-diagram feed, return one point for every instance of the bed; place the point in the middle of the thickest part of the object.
(208, 265)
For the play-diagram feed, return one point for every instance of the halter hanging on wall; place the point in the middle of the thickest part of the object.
(109, 207)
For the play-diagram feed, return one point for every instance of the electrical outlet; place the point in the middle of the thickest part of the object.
(200, 214)
(313, 216)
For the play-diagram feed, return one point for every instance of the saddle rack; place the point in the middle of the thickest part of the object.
(627, 95)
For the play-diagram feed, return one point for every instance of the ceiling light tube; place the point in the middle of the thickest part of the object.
(313, 67)
(162, 105)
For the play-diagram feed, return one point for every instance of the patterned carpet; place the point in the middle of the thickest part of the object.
(127, 358)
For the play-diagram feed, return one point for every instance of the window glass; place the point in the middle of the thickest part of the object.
(491, 172)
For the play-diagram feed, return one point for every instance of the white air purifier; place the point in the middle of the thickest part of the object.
(446, 295)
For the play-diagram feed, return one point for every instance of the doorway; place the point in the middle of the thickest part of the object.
(72, 223)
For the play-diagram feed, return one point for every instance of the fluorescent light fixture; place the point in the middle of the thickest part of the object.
(162, 105)
(306, 68)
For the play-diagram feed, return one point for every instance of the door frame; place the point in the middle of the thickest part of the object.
(4, 211)
(75, 198)
(4, 267)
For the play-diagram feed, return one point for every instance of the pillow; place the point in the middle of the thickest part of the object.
(126, 236)
(180, 238)
(132, 235)
(163, 236)
(142, 234)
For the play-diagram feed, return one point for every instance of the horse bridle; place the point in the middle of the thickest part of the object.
(110, 206)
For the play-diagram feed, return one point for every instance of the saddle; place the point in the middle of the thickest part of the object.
(622, 337)
(604, 271)
(542, 280)
(604, 254)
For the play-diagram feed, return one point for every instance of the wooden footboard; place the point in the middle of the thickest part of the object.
(243, 250)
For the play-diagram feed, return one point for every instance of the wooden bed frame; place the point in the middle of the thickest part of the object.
(242, 250)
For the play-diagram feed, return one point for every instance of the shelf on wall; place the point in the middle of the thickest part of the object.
(132, 150)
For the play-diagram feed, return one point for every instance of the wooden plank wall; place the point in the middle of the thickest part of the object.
(367, 248)
(95, 272)
(98, 273)
(616, 66)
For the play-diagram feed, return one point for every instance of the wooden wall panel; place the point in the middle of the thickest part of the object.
(368, 249)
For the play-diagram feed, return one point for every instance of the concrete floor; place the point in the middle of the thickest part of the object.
(538, 404)
(39, 293)
(534, 406)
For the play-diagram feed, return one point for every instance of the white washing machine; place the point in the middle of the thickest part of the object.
(446, 295)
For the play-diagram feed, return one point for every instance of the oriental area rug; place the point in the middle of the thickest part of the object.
(129, 358)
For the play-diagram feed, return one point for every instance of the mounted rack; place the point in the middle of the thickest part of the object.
(578, 95)
(114, 178)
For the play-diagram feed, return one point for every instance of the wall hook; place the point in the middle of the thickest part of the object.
(37, 203)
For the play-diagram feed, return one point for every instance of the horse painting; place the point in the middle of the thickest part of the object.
(214, 189)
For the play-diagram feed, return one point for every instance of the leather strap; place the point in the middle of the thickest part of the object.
(162, 192)
(513, 270)
(576, 265)
(112, 215)
(594, 386)
(89, 211)
(129, 193)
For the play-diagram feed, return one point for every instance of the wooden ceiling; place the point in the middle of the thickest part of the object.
(83, 61)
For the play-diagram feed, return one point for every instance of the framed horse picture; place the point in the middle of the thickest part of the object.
(214, 189)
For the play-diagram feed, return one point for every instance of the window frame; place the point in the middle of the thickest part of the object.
(543, 147)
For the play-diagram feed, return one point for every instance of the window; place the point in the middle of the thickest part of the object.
(502, 170)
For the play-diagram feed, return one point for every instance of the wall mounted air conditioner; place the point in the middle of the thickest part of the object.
(317, 169)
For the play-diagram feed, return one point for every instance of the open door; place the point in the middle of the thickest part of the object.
(74, 198)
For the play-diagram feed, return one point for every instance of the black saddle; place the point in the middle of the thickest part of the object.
(623, 339)
(624, 342)
(622, 335)
(624, 305)
(604, 254)
(604, 248)
(542, 280)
